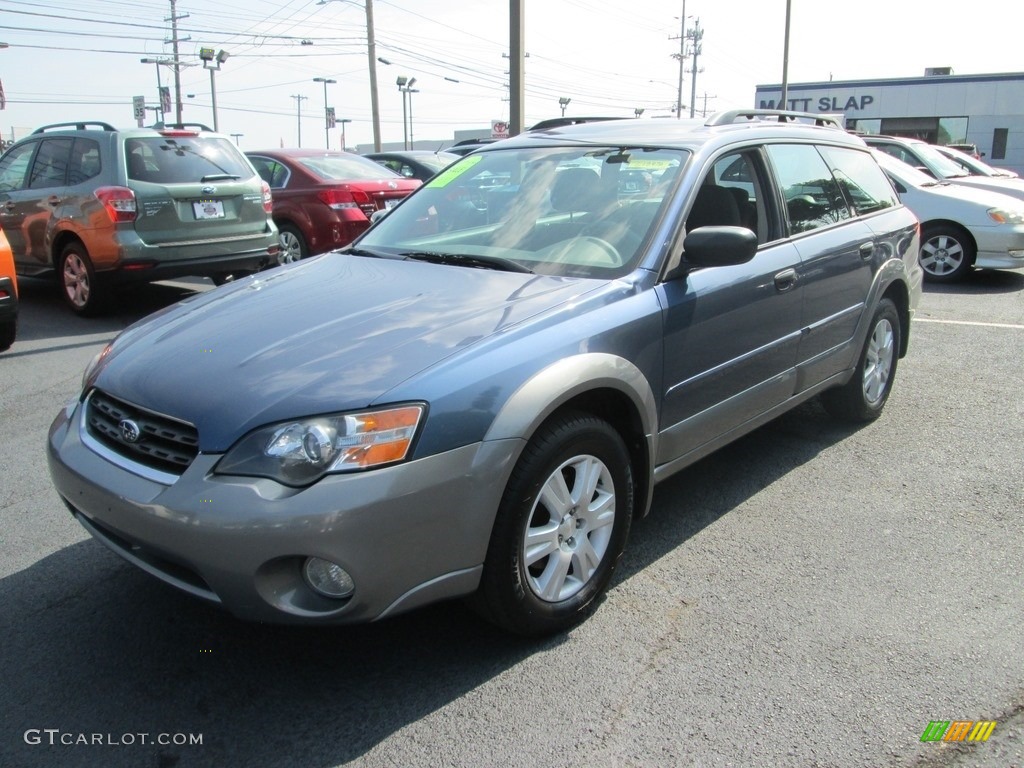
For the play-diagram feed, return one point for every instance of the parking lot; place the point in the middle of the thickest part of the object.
(811, 595)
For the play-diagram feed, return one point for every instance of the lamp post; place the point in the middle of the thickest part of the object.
(344, 147)
(212, 62)
(327, 117)
(236, 137)
(159, 86)
(638, 111)
(405, 88)
(563, 103)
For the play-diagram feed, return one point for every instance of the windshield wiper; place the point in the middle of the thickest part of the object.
(463, 260)
(368, 253)
(220, 177)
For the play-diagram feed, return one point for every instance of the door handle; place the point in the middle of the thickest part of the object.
(785, 279)
(867, 250)
(10, 206)
(53, 200)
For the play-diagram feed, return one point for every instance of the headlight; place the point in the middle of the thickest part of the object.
(94, 364)
(300, 452)
(1006, 215)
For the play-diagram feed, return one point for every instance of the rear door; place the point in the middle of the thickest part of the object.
(195, 192)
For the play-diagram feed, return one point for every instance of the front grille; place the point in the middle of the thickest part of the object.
(163, 443)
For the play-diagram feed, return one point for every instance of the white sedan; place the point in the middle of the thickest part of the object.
(961, 227)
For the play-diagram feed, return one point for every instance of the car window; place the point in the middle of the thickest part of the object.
(50, 168)
(559, 211)
(344, 167)
(813, 196)
(731, 195)
(184, 159)
(271, 171)
(85, 161)
(14, 166)
(864, 183)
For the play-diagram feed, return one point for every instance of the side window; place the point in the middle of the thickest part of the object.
(85, 161)
(50, 168)
(737, 177)
(813, 196)
(866, 187)
(14, 166)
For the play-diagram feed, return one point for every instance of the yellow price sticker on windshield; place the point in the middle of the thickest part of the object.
(446, 177)
(653, 164)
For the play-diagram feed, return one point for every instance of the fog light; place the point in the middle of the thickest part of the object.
(327, 578)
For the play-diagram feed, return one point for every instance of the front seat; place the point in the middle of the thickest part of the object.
(714, 207)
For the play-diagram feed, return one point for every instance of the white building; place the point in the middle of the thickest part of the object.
(941, 108)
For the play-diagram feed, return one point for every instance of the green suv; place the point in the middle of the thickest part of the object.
(101, 206)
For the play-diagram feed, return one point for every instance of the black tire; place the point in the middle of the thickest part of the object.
(864, 396)
(573, 568)
(76, 278)
(8, 331)
(947, 253)
(293, 244)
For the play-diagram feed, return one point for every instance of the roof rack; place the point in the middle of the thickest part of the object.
(80, 126)
(558, 122)
(180, 126)
(780, 115)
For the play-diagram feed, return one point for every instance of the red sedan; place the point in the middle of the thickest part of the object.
(324, 199)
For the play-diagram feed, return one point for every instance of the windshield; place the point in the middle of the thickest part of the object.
(905, 174)
(938, 163)
(344, 167)
(582, 212)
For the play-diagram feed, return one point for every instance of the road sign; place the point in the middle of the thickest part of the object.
(139, 105)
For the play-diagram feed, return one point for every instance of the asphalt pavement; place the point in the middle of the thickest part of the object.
(811, 595)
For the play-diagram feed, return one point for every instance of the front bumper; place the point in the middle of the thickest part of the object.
(409, 534)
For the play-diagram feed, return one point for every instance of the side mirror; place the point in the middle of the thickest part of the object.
(719, 246)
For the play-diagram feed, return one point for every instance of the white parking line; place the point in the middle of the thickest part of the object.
(968, 322)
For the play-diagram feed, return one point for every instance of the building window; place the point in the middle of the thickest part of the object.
(999, 143)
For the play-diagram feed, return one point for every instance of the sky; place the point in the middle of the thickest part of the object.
(80, 59)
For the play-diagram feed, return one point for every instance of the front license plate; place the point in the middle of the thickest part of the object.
(208, 209)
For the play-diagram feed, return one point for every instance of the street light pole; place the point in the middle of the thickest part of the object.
(212, 62)
(563, 103)
(344, 147)
(327, 120)
(298, 114)
(159, 87)
(405, 88)
(236, 137)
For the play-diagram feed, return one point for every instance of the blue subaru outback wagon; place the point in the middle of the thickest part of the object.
(479, 395)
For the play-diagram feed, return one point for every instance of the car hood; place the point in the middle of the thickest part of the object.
(1012, 187)
(963, 203)
(329, 334)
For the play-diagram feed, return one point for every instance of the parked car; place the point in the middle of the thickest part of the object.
(8, 296)
(961, 227)
(967, 149)
(414, 164)
(478, 400)
(973, 165)
(322, 199)
(466, 146)
(928, 159)
(99, 206)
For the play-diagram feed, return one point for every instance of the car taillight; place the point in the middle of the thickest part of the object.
(343, 198)
(119, 203)
(268, 199)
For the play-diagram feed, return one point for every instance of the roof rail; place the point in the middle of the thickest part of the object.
(80, 126)
(780, 115)
(180, 126)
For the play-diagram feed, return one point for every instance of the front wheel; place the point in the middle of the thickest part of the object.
(947, 254)
(864, 396)
(79, 286)
(560, 529)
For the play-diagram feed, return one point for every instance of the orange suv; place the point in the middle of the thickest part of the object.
(8, 296)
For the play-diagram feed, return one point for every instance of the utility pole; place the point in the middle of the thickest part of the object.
(697, 34)
(785, 63)
(298, 108)
(517, 65)
(177, 61)
(682, 59)
(371, 48)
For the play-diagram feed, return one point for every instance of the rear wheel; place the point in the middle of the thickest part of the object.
(293, 245)
(947, 254)
(560, 529)
(77, 278)
(864, 396)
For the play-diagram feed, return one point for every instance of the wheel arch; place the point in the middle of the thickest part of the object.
(604, 385)
(62, 240)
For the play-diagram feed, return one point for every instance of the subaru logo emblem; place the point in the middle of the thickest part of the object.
(209, 190)
(129, 430)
